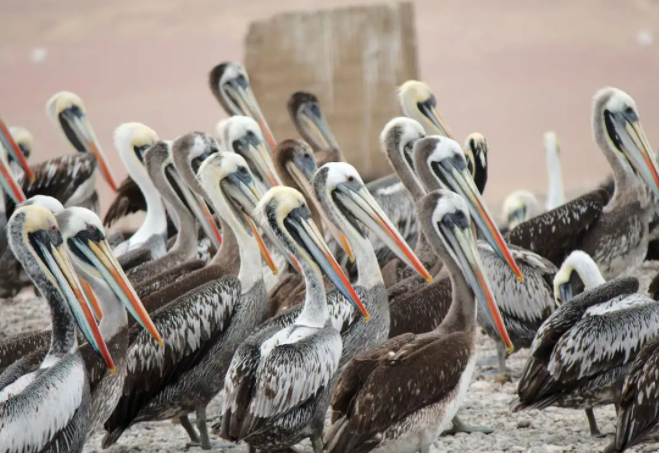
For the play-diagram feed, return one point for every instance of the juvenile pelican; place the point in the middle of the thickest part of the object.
(399, 396)
(584, 350)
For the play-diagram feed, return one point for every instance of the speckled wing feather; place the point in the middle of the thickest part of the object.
(556, 233)
(19, 346)
(129, 199)
(608, 335)
(189, 326)
(421, 373)
(639, 404)
(58, 178)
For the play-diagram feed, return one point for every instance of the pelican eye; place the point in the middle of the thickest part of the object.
(351, 178)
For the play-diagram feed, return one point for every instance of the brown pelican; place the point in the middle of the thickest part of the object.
(70, 179)
(399, 396)
(584, 350)
(163, 175)
(614, 234)
(242, 135)
(279, 375)
(638, 404)
(229, 83)
(202, 326)
(308, 119)
(47, 410)
(132, 140)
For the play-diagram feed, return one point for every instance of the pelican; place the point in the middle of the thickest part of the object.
(70, 178)
(308, 119)
(518, 207)
(48, 410)
(203, 326)
(614, 233)
(242, 135)
(24, 142)
(229, 83)
(132, 140)
(163, 175)
(399, 396)
(92, 260)
(279, 375)
(524, 305)
(584, 350)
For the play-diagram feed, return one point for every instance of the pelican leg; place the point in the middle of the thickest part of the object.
(317, 444)
(501, 355)
(460, 427)
(192, 433)
(592, 424)
(205, 441)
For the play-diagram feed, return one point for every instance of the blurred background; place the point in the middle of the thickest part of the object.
(509, 69)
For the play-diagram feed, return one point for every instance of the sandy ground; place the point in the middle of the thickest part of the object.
(551, 431)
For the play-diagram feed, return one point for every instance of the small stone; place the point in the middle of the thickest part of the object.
(523, 424)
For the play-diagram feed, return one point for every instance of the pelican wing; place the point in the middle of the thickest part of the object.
(58, 178)
(609, 335)
(129, 199)
(189, 325)
(61, 389)
(423, 372)
(558, 232)
(639, 405)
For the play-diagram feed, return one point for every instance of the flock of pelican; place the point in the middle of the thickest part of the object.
(269, 275)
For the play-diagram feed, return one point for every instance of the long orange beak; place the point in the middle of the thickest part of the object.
(264, 250)
(14, 150)
(10, 185)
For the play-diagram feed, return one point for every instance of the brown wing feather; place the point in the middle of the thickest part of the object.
(129, 199)
(556, 233)
(403, 383)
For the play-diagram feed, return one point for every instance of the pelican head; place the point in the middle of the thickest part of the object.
(68, 112)
(38, 245)
(188, 153)
(520, 206)
(23, 139)
(294, 159)
(242, 135)
(310, 122)
(615, 117)
(347, 202)
(444, 215)
(475, 150)
(50, 203)
(229, 83)
(440, 162)
(419, 103)
(577, 274)
(228, 183)
(397, 141)
(284, 211)
(83, 233)
(132, 140)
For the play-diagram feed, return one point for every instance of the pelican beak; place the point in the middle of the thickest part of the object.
(567, 285)
(56, 260)
(10, 185)
(78, 130)
(246, 195)
(99, 255)
(455, 177)
(92, 299)
(196, 204)
(260, 156)
(315, 125)
(463, 247)
(306, 234)
(15, 152)
(243, 97)
(302, 176)
(361, 204)
(628, 136)
(428, 110)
